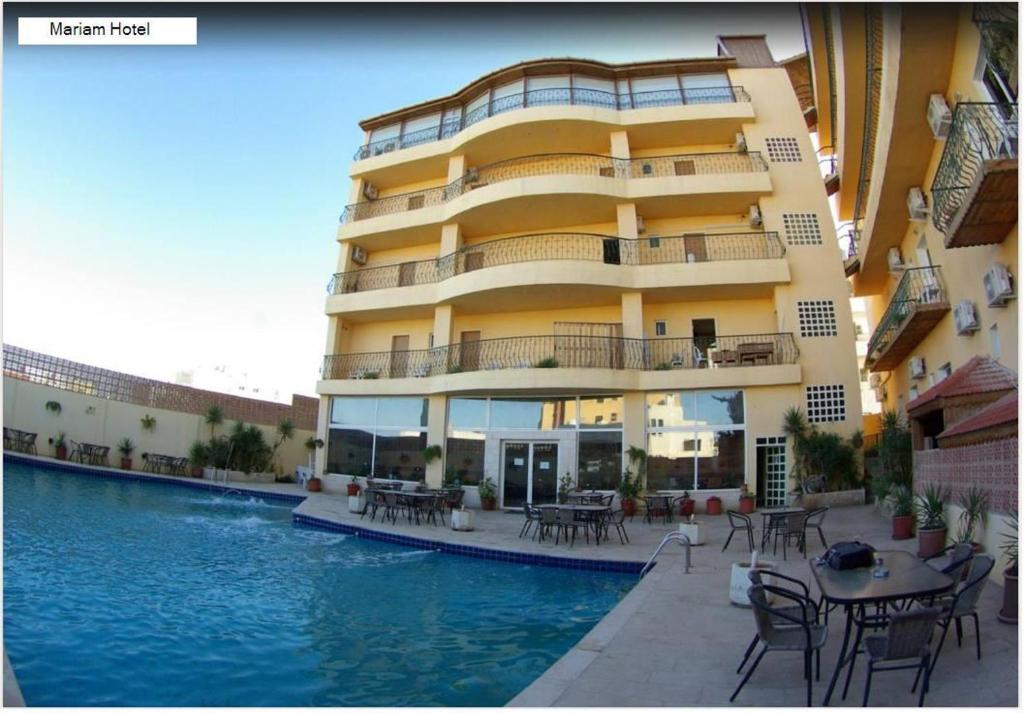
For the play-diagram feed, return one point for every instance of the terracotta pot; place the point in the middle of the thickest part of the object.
(126, 464)
(62, 452)
(313, 485)
(489, 503)
(197, 471)
(353, 489)
(746, 504)
(686, 507)
(714, 505)
(930, 542)
(902, 527)
(629, 507)
(1008, 615)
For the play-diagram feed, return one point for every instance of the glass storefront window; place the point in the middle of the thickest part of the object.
(720, 461)
(464, 459)
(719, 408)
(600, 412)
(538, 414)
(467, 413)
(600, 460)
(349, 451)
(402, 412)
(399, 455)
(353, 410)
(672, 410)
(670, 461)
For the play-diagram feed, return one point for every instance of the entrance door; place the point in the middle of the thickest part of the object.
(529, 473)
(469, 352)
(399, 355)
(771, 471)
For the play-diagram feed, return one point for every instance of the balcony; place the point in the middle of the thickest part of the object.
(590, 170)
(568, 352)
(918, 303)
(554, 96)
(587, 247)
(974, 192)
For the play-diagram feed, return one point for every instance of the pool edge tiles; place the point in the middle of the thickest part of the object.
(616, 566)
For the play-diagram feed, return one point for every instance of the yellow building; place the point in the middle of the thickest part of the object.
(916, 107)
(566, 259)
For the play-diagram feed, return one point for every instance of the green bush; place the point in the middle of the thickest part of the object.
(547, 363)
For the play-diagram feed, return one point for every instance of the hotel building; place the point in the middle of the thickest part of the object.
(566, 258)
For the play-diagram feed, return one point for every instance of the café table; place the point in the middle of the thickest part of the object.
(908, 577)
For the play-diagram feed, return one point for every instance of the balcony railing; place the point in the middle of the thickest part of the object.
(919, 288)
(566, 164)
(555, 96)
(997, 24)
(665, 249)
(568, 352)
(979, 132)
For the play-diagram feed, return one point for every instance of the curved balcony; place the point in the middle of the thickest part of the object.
(917, 305)
(554, 96)
(587, 247)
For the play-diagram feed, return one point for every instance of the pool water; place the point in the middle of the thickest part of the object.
(125, 593)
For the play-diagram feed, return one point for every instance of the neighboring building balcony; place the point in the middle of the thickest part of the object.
(974, 192)
(551, 352)
(918, 303)
(612, 257)
(553, 96)
(536, 191)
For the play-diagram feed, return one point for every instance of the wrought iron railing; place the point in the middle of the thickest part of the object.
(830, 62)
(555, 96)
(997, 25)
(874, 56)
(569, 352)
(665, 249)
(919, 285)
(979, 132)
(577, 164)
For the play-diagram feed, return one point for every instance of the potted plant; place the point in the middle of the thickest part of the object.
(746, 500)
(974, 506)
(902, 512)
(714, 505)
(353, 486)
(198, 455)
(60, 446)
(564, 487)
(1008, 614)
(53, 407)
(431, 453)
(629, 489)
(488, 493)
(314, 484)
(686, 504)
(148, 423)
(931, 518)
(125, 447)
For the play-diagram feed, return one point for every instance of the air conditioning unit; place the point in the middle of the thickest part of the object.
(875, 380)
(917, 370)
(896, 261)
(939, 116)
(370, 191)
(741, 141)
(998, 285)
(916, 204)
(965, 317)
(358, 255)
(640, 227)
(881, 394)
(755, 217)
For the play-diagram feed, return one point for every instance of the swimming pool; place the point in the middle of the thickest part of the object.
(125, 593)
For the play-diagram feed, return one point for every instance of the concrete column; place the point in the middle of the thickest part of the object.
(334, 329)
(456, 167)
(625, 214)
(634, 431)
(436, 435)
(322, 432)
(355, 191)
(633, 315)
(451, 239)
(444, 318)
(620, 144)
(345, 263)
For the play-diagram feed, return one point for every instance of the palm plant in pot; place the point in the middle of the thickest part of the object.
(488, 493)
(1008, 614)
(60, 446)
(629, 489)
(198, 456)
(931, 521)
(747, 500)
(686, 504)
(902, 512)
(974, 507)
(353, 486)
(125, 447)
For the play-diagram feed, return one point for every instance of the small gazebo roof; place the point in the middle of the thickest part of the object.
(979, 376)
(992, 420)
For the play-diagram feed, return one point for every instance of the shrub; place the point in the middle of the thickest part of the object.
(547, 363)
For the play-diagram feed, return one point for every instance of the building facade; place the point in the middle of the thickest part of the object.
(917, 110)
(567, 259)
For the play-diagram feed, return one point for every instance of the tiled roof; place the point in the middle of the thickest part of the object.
(978, 376)
(998, 413)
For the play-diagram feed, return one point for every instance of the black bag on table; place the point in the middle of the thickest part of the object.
(849, 555)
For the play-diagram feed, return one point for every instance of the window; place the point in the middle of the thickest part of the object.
(540, 413)
(994, 342)
(913, 393)
(660, 329)
(801, 228)
(464, 458)
(467, 413)
(944, 372)
(600, 459)
(383, 437)
(783, 149)
(826, 403)
(817, 318)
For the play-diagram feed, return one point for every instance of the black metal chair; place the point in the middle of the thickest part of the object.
(757, 577)
(905, 639)
(532, 518)
(814, 520)
(565, 521)
(617, 520)
(795, 635)
(739, 521)
(793, 530)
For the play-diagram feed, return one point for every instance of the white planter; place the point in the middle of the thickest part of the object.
(740, 583)
(356, 503)
(693, 530)
(462, 520)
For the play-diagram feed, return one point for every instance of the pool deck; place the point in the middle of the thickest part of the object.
(675, 639)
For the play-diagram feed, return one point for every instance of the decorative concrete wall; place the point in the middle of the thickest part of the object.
(991, 466)
(835, 499)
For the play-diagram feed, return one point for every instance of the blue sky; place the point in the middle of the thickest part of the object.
(167, 208)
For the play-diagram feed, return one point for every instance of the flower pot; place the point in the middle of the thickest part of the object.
(197, 471)
(126, 464)
(693, 530)
(356, 503)
(739, 583)
(62, 452)
(902, 527)
(714, 505)
(313, 485)
(686, 507)
(489, 503)
(930, 542)
(1008, 615)
(746, 504)
(353, 489)
(629, 506)
(462, 520)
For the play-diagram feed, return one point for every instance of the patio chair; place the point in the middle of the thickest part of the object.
(739, 521)
(28, 443)
(796, 635)
(532, 518)
(391, 506)
(815, 518)
(76, 452)
(8, 439)
(422, 507)
(617, 520)
(905, 639)
(548, 520)
(658, 506)
(952, 560)
(454, 499)
(565, 520)
(437, 504)
(804, 593)
(792, 529)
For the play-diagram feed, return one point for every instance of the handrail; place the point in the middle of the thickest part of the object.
(594, 247)
(919, 285)
(554, 96)
(683, 540)
(563, 163)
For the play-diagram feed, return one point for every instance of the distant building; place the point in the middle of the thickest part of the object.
(228, 380)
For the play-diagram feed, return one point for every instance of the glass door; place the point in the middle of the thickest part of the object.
(544, 483)
(529, 473)
(515, 464)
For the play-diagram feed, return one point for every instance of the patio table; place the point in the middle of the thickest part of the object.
(93, 454)
(20, 441)
(908, 577)
(590, 515)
